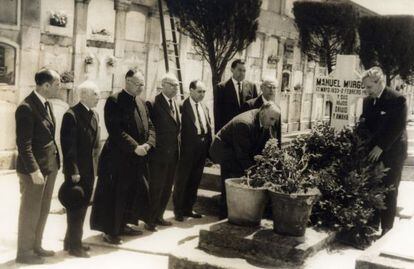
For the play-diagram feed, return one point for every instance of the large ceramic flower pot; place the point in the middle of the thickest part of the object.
(291, 212)
(245, 205)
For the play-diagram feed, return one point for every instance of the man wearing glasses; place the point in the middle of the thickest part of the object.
(268, 88)
(166, 117)
(122, 195)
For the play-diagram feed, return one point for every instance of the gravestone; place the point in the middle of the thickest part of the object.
(343, 87)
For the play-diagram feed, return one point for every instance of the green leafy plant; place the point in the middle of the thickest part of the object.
(67, 77)
(280, 170)
(59, 19)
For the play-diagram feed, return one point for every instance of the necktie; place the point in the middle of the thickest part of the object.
(240, 93)
(203, 131)
(171, 106)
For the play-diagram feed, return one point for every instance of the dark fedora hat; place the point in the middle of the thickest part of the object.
(71, 195)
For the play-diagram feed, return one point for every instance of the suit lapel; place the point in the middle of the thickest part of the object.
(232, 91)
(189, 110)
(166, 107)
(259, 102)
(41, 110)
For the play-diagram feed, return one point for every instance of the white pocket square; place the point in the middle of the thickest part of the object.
(383, 112)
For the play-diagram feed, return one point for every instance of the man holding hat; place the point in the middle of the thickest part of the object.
(80, 145)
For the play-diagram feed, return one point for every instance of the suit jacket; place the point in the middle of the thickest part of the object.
(386, 121)
(35, 137)
(239, 141)
(257, 103)
(128, 126)
(226, 106)
(167, 128)
(189, 135)
(79, 138)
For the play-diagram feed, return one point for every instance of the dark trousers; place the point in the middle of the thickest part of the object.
(74, 230)
(160, 185)
(392, 178)
(188, 176)
(34, 210)
(228, 169)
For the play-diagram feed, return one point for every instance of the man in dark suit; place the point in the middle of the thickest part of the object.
(231, 95)
(163, 160)
(235, 146)
(195, 142)
(268, 88)
(121, 195)
(385, 116)
(37, 165)
(79, 137)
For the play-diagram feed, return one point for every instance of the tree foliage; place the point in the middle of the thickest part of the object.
(388, 41)
(218, 28)
(326, 29)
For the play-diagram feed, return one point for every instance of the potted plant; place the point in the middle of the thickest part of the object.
(291, 187)
(58, 19)
(246, 200)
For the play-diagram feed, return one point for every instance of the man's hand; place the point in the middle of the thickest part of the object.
(75, 178)
(37, 177)
(375, 153)
(147, 147)
(140, 150)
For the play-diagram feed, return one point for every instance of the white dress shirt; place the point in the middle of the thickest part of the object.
(43, 100)
(236, 87)
(202, 116)
(174, 112)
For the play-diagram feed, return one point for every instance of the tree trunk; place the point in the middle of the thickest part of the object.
(388, 77)
(216, 76)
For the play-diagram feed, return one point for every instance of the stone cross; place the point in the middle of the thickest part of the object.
(344, 88)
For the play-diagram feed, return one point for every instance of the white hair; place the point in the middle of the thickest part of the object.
(270, 80)
(375, 73)
(86, 87)
(168, 76)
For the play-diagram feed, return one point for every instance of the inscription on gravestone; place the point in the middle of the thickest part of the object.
(344, 88)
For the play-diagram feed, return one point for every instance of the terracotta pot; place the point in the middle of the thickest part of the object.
(245, 205)
(291, 212)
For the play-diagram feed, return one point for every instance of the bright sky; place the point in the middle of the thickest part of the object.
(388, 6)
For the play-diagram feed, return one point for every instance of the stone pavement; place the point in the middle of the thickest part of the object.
(147, 251)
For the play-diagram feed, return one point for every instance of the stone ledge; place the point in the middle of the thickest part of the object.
(260, 245)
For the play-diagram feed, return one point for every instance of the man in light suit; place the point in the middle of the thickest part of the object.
(166, 117)
(236, 144)
(231, 95)
(195, 142)
(122, 194)
(268, 88)
(37, 165)
(385, 116)
(80, 145)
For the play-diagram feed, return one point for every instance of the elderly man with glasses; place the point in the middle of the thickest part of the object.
(166, 117)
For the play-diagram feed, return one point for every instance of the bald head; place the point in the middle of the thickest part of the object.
(88, 93)
(269, 113)
(268, 88)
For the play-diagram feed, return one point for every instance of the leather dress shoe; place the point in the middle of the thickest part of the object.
(80, 253)
(150, 227)
(179, 218)
(111, 239)
(44, 253)
(163, 222)
(131, 232)
(30, 259)
(193, 215)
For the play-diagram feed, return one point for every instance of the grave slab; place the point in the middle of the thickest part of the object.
(260, 244)
(393, 251)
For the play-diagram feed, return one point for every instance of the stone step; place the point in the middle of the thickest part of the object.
(188, 256)
(208, 202)
(211, 179)
(261, 245)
